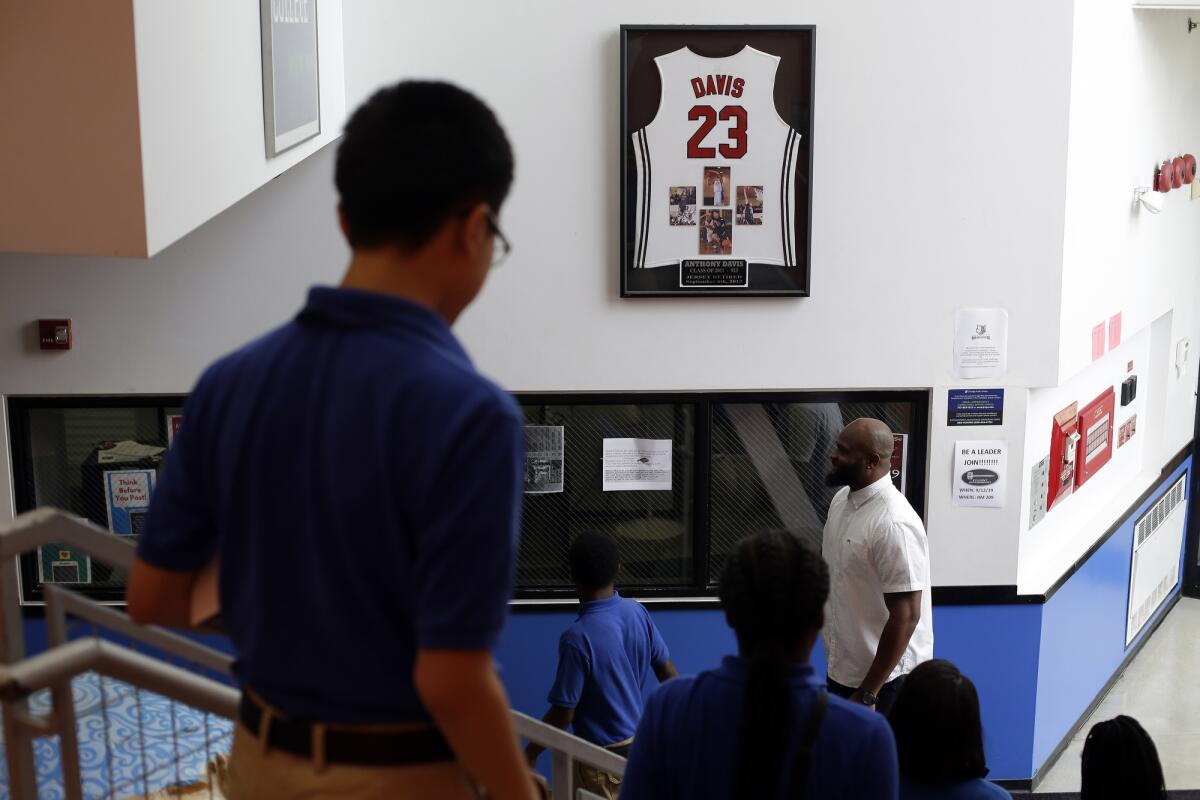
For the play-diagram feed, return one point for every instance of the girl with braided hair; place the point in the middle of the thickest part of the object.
(762, 726)
(1120, 762)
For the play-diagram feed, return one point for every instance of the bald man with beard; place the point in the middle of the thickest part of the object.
(879, 618)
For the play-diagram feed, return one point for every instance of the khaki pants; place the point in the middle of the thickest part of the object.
(256, 773)
(597, 781)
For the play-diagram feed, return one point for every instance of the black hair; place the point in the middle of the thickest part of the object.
(414, 155)
(939, 734)
(1120, 761)
(594, 560)
(773, 589)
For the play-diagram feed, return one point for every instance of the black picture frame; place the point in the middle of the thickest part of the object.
(640, 44)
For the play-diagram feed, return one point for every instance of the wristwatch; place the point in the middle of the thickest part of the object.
(868, 699)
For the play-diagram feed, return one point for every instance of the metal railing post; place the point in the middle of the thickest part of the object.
(18, 743)
(562, 768)
(55, 669)
(12, 630)
(68, 739)
(64, 702)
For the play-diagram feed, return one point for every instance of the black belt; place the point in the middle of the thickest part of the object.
(345, 746)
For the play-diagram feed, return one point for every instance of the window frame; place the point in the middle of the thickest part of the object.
(700, 589)
(21, 465)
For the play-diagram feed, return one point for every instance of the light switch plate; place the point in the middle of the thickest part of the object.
(1039, 491)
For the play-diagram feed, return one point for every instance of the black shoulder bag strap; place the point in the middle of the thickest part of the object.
(812, 727)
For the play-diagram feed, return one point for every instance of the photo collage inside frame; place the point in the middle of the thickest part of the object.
(721, 210)
(715, 188)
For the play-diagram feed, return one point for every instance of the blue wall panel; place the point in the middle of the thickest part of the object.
(1083, 634)
(1037, 667)
(528, 651)
(997, 648)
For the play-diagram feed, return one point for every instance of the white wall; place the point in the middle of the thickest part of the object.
(1133, 104)
(151, 326)
(905, 102)
(927, 142)
(1135, 79)
(974, 546)
(199, 84)
(938, 153)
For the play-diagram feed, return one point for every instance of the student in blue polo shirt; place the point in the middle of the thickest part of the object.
(604, 659)
(762, 725)
(360, 484)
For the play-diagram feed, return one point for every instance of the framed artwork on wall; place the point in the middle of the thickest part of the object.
(716, 160)
(290, 73)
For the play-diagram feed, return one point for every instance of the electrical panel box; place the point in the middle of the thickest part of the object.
(1064, 439)
(1095, 445)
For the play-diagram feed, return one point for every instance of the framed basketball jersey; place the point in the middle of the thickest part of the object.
(716, 154)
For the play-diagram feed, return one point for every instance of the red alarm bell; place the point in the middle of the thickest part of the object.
(1162, 177)
(1176, 172)
(1189, 168)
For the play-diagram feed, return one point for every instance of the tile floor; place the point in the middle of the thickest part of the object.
(1160, 690)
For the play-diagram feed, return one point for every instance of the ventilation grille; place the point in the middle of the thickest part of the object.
(1146, 610)
(1149, 524)
(1154, 563)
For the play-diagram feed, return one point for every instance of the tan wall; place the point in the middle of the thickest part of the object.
(70, 149)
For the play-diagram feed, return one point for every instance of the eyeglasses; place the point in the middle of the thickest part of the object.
(499, 253)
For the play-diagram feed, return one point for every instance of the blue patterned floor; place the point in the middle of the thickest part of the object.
(129, 718)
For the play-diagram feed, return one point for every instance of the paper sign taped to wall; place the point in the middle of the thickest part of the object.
(127, 499)
(980, 473)
(544, 459)
(637, 465)
(980, 342)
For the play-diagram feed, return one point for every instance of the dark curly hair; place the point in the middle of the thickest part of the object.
(1120, 762)
(594, 560)
(939, 733)
(773, 589)
(414, 155)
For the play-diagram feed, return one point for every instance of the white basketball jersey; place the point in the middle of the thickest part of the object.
(716, 112)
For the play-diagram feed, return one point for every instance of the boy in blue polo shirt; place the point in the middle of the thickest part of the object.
(603, 659)
(360, 483)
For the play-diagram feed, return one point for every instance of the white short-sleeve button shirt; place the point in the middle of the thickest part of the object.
(875, 544)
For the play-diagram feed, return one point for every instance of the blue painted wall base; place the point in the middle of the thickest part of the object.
(1038, 668)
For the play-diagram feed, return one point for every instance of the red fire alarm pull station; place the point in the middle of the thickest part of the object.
(1096, 430)
(1064, 436)
(54, 334)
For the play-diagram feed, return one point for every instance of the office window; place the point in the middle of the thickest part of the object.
(653, 528)
(97, 457)
(769, 461)
(676, 479)
(741, 463)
